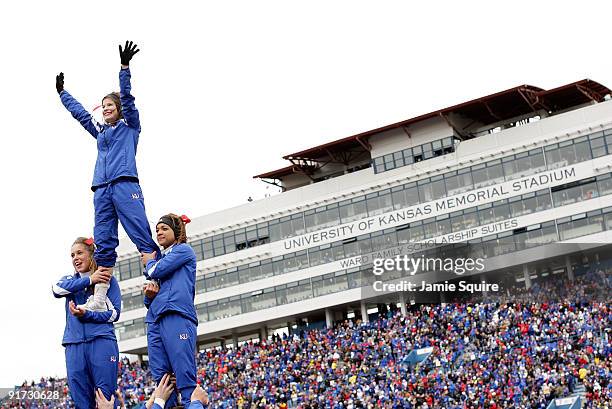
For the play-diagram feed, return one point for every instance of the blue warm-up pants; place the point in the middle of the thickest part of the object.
(120, 201)
(92, 365)
(172, 347)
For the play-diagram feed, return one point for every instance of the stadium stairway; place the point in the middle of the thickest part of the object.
(580, 391)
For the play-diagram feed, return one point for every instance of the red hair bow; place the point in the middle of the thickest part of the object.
(89, 241)
(185, 219)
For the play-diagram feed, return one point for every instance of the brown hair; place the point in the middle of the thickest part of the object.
(178, 227)
(114, 96)
(90, 249)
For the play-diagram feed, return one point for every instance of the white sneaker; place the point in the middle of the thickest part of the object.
(87, 304)
(92, 305)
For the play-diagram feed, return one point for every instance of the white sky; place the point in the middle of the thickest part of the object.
(224, 91)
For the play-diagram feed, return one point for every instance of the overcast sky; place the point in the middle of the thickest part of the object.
(224, 91)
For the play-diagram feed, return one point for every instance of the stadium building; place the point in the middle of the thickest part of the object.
(522, 169)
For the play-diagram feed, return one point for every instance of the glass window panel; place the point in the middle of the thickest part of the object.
(457, 223)
(521, 207)
(301, 260)
(470, 219)
(267, 270)
(353, 211)
(301, 292)
(608, 221)
(259, 302)
(338, 252)
(350, 249)
(502, 212)
(430, 229)
(543, 202)
(403, 236)
(365, 245)
(417, 233)
(486, 215)
(583, 151)
(459, 183)
(275, 232)
(604, 184)
(443, 227)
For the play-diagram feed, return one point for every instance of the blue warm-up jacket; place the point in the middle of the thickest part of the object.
(116, 144)
(93, 324)
(175, 272)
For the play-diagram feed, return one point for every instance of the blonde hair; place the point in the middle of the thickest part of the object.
(91, 248)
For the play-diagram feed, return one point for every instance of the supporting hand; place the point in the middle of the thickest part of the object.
(128, 52)
(76, 310)
(101, 401)
(165, 388)
(146, 257)
(102, 275)
(199, 394)
(151, 289)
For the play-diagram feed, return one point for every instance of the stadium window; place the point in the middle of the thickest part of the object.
(408, 156)
(281, 294)
(574, 192)
(443, 226)
(501, 209)
(337, 251)
(389, 163)
(417, 154)
(355, 210)
(200, 285)
(607, 213)
(437, 148)
(429, 227)
(458, 181)
(240, 239)
(608, 138)
(229, 242)
(301, 291)
(486, 214)
(398, 158)
(604, 184)
(202, 312)
(598, 144)
(241, 274)
(427, 151)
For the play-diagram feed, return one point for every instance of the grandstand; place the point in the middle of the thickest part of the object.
(512, 174)
(288, 317)
(454, 356)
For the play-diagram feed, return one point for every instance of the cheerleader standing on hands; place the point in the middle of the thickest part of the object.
(117, 193)
(172, 319)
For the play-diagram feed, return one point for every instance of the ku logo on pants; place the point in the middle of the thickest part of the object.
(113, 359)
(183, 336)
(135, 196)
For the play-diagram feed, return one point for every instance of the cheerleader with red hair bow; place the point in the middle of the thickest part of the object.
(172, 319)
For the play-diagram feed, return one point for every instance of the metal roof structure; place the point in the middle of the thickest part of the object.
(490, 109)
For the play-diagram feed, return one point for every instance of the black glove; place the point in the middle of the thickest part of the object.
(59, 82)
(127, 53)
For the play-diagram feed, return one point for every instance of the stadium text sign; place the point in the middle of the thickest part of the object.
(437, 207)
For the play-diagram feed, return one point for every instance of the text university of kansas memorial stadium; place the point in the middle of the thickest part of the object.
(511, 174)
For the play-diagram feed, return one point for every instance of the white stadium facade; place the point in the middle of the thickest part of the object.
(521, 169)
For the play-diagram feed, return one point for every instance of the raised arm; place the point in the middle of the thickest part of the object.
(128, 107)
(75, 108)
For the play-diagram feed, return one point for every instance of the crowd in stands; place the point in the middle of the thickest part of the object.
(491, 355)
